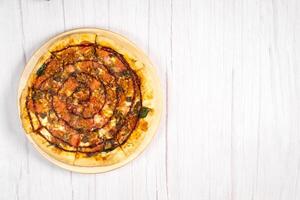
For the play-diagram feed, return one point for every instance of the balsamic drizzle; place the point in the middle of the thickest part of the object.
(125, 124)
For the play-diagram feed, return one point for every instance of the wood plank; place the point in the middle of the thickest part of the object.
(13, 147)
(200, 101)
(40, 175)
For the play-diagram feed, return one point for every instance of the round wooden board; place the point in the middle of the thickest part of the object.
(130, 47)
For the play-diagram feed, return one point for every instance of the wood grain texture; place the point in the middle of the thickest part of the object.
(231, 76)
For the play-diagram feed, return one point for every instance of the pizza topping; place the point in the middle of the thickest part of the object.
(128, 99)
(41, 70)
(86, 98)
(144, 112)
(43, 115)
(75, 139)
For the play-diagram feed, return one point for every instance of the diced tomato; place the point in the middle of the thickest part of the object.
(85, 66)
(39, 80)
(75, 140)
(57, 133)
(107, 77)
(52, 66)
(30, 105)
(58, 104)
(85, 123)
(70, 85)
(39, 108)
(94, 84)
(70, 68)
(119, 66)
(103, 54)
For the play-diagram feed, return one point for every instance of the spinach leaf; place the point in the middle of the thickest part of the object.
(144, 112)
(41, 70)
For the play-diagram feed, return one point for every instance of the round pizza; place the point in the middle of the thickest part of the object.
(90, 100)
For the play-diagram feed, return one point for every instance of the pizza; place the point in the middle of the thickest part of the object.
(90, 98)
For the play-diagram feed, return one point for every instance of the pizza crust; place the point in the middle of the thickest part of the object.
(150, 89)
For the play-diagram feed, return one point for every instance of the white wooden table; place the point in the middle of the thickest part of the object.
(230, 71)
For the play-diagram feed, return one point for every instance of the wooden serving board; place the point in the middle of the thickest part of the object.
(130, 47)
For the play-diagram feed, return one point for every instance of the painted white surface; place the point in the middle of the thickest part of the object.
(231, 75)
